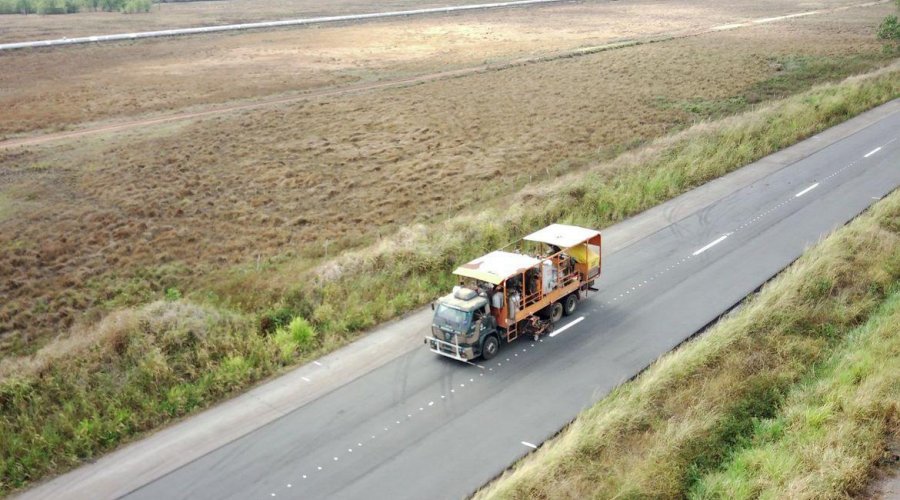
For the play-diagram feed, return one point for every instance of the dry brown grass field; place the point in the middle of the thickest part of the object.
(187, 14)
(18, 27)
(51, 89)
(91, 225)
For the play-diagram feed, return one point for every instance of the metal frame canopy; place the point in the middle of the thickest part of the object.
(562, 236)
(496, 266)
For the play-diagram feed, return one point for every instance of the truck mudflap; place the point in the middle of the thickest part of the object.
(447, 349)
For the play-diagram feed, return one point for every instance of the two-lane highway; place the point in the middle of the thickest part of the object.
(427, 427)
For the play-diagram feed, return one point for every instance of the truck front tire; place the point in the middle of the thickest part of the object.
(489, 347)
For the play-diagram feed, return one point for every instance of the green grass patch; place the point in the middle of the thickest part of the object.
(49, 7)
(788, 397)
(794, 73)
(791, 74)
(831, 428)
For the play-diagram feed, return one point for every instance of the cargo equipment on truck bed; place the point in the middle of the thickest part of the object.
(499, 295)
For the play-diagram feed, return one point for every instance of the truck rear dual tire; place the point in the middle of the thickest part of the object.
(570, 304)
(556, 312)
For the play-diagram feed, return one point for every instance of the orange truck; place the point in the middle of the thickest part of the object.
(512, 291)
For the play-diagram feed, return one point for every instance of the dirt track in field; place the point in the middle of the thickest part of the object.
(133, 124)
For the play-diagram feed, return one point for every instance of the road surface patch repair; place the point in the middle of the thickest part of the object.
(601, 305)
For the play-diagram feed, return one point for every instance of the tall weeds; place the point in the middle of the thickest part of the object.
(823, 441)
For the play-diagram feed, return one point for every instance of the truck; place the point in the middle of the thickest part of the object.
(518, 290)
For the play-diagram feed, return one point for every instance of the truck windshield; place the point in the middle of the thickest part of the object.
(454, 318)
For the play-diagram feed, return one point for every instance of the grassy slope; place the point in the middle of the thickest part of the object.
(142, 367)
(789, 396)
(824, 439)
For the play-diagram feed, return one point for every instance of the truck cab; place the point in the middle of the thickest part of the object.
(463, 327)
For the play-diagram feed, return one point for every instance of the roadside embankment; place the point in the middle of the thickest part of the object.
(792, 395)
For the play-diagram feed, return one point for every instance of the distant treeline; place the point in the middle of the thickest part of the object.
(72, 6)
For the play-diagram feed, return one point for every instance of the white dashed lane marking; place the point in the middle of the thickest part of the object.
(570, 325)
(870, 153)
(532, 446)
(720, 239)
(801, 193)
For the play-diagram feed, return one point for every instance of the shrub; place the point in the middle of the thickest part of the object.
(889, 29)
(48, 7)
(172, 294)
(73, 6)
(285, 345)
(273, 320)
(136, 6)
(302, 332)
(17, 7)
(233, 372)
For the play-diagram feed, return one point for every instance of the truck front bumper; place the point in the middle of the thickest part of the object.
(449, 349)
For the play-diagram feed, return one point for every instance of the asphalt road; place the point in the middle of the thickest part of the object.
(427, 427)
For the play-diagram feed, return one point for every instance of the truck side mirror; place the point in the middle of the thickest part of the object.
(432, 306)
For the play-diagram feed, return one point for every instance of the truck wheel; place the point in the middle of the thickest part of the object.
(556, 312)
(489, 347)
(570, 304)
